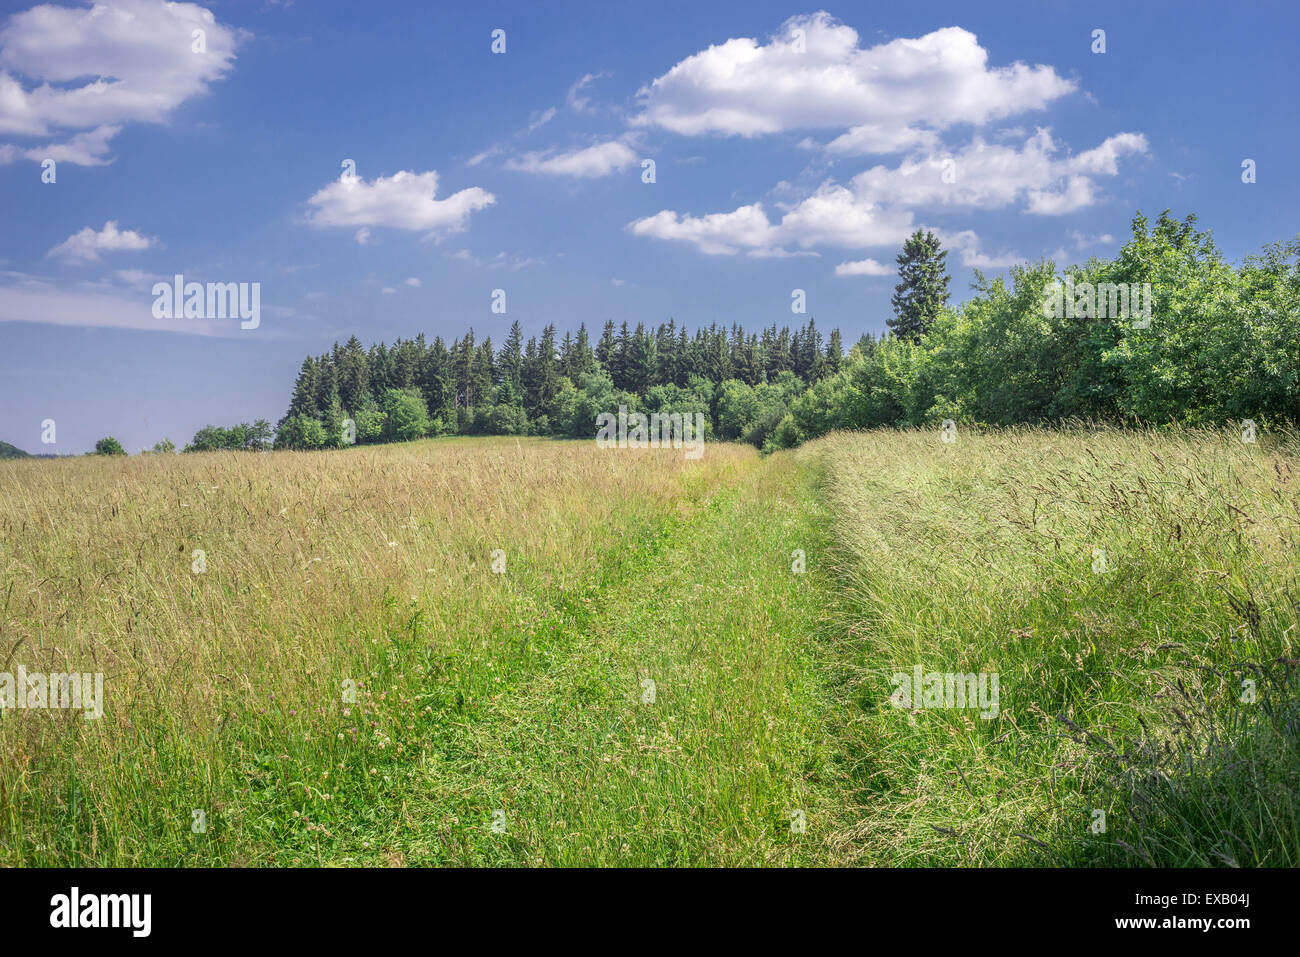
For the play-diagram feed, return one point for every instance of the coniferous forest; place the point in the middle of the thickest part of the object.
(744, 382)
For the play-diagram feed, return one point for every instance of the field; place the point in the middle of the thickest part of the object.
(500, 651)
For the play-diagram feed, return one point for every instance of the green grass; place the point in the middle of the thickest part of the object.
(552, 723)
(520, 699)
(1121, 684)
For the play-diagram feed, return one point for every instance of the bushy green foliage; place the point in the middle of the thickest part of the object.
(752, 413)
(579, 407)
(109, 446)
(1217, 344)
(300, 432)
(213, 438)
(370, 420)
(406, 416)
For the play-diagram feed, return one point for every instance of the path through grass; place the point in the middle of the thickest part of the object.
(677, 715)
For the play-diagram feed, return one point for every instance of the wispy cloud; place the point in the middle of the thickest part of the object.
(578, 98)
(589, 162)
(35, 299)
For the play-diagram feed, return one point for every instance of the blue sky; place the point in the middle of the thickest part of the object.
(793, 148)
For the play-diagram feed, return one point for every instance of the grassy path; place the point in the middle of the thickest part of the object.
(679, 719)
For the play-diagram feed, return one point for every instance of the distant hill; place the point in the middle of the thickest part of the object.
(8, 451)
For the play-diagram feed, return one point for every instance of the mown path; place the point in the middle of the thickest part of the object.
(680, 718)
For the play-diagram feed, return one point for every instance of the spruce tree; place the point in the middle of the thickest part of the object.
(354, 375)
(923, 287)
(683, 360)
(639, 362)
(435, 382)
(480, 376)
(618, 359)
(605, 349)
(304, 391)
(834, 353)
(512, 358)
(582, 361)
(548, 373)
(532, 380)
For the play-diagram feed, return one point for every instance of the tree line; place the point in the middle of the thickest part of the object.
(550, 386)
(1215, 343)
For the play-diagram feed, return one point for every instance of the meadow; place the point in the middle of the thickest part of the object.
(1137, 595)
(504, 651)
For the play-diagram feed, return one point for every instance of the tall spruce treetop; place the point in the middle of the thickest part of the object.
(834, 352)
(511, 360)
(923, 289)
(583, 360)
(304, 390)
(354, 374)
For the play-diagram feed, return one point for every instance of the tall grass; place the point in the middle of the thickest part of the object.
(499, 718)
(504, 718)
(1124, 682)
(224, 687)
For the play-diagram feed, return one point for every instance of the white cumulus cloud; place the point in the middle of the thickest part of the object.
(86, 245)
(877, 138)
(876, 208)
(716, 233)
(831, 216)
(93, 69)
(990, 176)
(814, 74)
(406, 200)
(864, 267)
